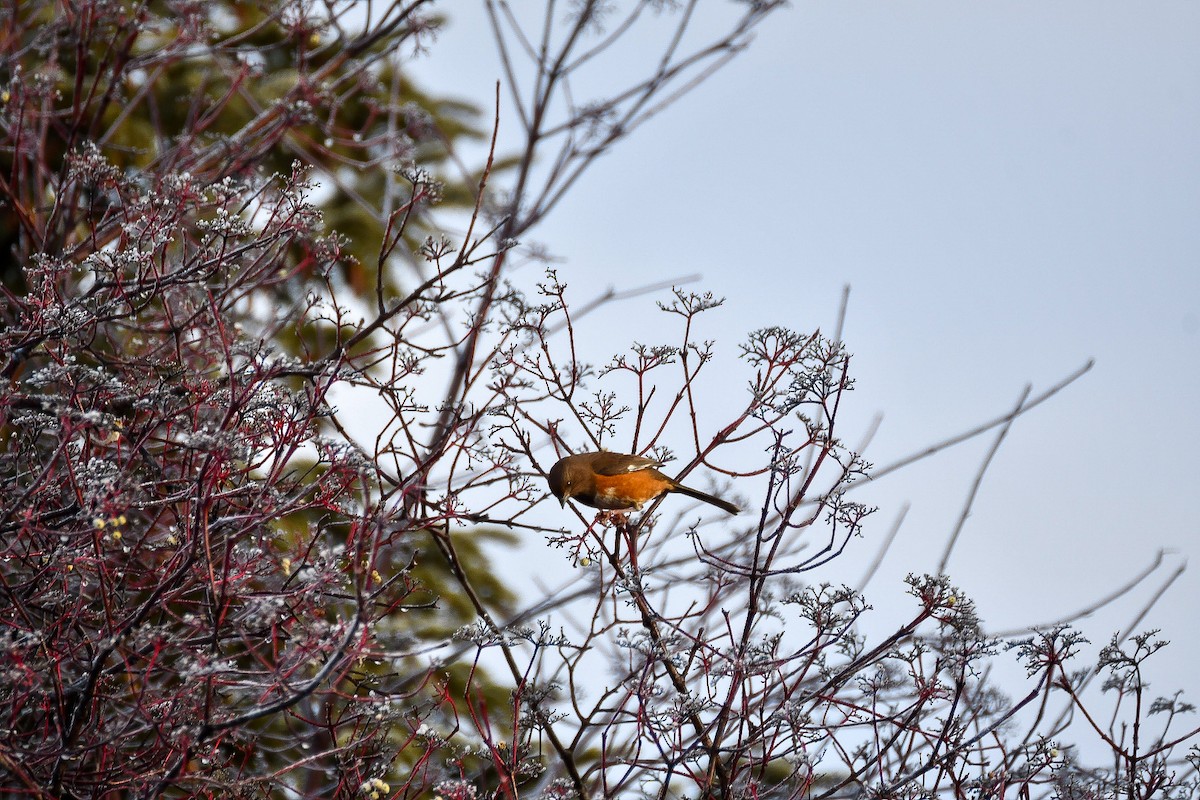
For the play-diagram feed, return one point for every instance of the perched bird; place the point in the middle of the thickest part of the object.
(616, 481)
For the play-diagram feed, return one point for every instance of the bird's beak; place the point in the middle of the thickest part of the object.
(562, 501)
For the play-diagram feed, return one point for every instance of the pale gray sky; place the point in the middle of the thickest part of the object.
(1010, 189)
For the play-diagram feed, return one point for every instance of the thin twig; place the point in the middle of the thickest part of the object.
(975, 484)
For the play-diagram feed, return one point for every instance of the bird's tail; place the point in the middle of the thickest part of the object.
(724, 505)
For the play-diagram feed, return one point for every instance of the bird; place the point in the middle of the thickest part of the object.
(618, 482)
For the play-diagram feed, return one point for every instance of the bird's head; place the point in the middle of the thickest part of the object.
(564, 480)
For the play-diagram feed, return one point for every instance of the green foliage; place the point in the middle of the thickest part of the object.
(220, 90)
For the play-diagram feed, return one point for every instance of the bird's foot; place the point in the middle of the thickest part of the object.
(614, 518)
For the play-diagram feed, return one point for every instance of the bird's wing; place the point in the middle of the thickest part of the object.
(620, 463)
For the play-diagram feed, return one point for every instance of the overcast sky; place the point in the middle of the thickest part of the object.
(1010, 189)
